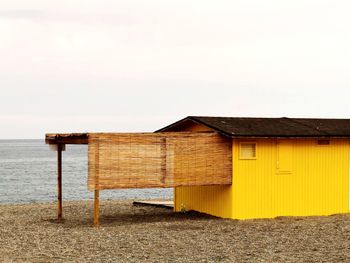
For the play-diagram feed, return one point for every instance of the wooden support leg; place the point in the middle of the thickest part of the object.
(59, 181)
(97, 208)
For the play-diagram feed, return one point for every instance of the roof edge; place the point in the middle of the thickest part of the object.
(172, 124)
(195, 120)
(314, 132)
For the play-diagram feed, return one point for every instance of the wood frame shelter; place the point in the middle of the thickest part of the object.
(278, 166)
(147, 160)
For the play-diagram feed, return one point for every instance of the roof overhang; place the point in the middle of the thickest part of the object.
(67, 138)
(197, 120)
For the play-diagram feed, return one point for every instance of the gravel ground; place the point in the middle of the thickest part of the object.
(30, 233)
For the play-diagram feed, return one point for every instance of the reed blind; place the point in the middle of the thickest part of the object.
(147, 160)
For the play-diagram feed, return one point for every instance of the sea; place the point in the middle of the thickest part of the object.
(28, 174)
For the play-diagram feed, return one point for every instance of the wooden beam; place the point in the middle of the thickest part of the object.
(97, 208)
(67, 138)
(59, 181)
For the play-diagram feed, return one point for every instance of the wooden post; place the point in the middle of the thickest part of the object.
(97, 208)
(97, 192)
(59, 181)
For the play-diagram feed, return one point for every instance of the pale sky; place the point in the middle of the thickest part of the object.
(116, 66)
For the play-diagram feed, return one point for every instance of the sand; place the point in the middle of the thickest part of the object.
(30, 233)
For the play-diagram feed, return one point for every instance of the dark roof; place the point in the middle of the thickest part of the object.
(270, 127)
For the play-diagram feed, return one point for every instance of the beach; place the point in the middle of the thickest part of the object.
(128, 233)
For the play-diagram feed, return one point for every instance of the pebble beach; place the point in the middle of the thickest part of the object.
(129, 233)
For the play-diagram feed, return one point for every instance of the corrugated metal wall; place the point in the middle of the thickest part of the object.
(295, 177)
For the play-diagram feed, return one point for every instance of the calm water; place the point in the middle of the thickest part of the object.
(28, 174)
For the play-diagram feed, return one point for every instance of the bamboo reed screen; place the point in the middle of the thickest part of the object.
(146, 160)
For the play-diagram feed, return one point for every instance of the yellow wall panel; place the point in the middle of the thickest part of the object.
(312, 179)
(213, 200)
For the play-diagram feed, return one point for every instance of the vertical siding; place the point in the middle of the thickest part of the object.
(317, 183)
(213, 200)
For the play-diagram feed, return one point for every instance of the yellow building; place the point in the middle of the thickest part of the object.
(280, 167)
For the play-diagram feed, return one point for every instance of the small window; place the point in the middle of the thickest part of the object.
(247, 150)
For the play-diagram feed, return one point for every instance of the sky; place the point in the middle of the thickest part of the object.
(131, 66)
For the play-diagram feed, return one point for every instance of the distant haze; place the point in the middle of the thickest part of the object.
(75, 66)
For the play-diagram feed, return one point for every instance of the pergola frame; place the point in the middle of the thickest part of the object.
(58, 143)
(167, 159)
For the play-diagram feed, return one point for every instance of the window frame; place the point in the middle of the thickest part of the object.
(248, 143)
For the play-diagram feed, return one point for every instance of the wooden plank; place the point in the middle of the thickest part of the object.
(157, 203)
